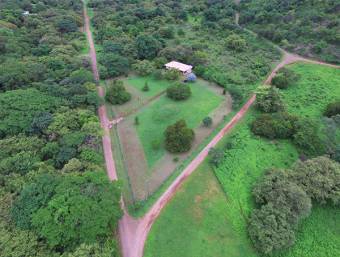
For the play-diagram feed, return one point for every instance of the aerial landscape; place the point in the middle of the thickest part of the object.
(169, 128)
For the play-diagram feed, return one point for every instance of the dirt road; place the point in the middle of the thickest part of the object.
(104, 121)
(133, 232)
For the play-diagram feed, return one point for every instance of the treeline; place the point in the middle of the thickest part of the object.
(143, 36)
(55, 198)
(309, 28)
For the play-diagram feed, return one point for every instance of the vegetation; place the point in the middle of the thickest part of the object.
(207, 121)
(156, 117)
(178, 137)
(304, 27)
(146, 35)
(117, 94)
(51, 166)
(285, 198)
(285, 78)
(178, 91)
(332, 109)
(269, 100)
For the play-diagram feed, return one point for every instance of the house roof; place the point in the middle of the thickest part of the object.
(179, 66)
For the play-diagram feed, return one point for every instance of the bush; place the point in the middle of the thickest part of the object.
(216, 156)
(146, 87)
(307, 138)
(171, 74)
(285, 78)
(269, 230)
(207, 122)
(178, 137)
(117, 94)
(279, 125)
(235, 42)
(269, 100)
(332, 109)
(178, 91)
(143, 68)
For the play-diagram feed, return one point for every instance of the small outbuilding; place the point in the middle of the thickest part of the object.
(184, 68)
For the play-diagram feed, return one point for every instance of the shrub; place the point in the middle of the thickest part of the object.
(171, 74)
(332, 109)
(285, 78)
(117, 94)
(235, 42)
(207, 122)
(178, 91)
(269, 230)
(143, 68)
(178, 137)
(146, 87)
(307, 138)
(216, 156)
(278, 125)
(269, 100)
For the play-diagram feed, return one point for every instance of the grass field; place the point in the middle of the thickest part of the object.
(163, 112)
(246, 158)
(194, 223)
(155, 86)
(317, 86)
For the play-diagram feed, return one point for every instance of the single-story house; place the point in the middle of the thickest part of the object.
(184, 68)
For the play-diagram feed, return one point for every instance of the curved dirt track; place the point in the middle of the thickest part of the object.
(133, 232)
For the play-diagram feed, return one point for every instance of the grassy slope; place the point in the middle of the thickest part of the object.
(159, 114)
(244, 163)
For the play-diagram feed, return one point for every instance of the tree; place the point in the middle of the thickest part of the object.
(207, 122)
(117, 94)
(67, 25)
(41, 122)
(143, 68)
(320, 178)
(146, 87)
(171, 74)
(307, 137)
(115, 65)
(32, 197)
(278, 125)
(269, 230)
(147, 46)
(178, 91)
(285, 78)
(67, 219)
(269, 100)
(178, 137)
(332, 109)
(278, 189)
(235, 42)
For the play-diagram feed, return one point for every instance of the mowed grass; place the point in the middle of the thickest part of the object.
(155, 86)
(163, 112)
(194, 223)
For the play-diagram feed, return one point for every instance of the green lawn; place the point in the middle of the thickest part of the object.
(194, 223)
(163, 112)
(155, 86)
(246, 158)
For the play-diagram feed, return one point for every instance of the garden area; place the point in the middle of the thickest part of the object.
(240, 164)
(150, 106)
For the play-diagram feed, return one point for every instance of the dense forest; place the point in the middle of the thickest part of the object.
(54, 194)
(307, 27)
(144, 35)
